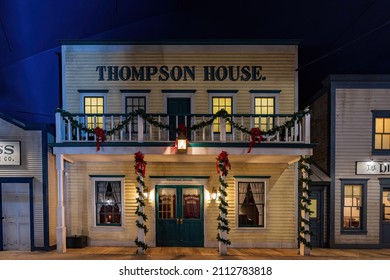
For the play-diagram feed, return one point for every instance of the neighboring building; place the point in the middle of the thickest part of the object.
(351, 124)
(28, 192)
(179, 85)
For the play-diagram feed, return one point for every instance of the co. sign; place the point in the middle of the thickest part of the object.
(9, 152)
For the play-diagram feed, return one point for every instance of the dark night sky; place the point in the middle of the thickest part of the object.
(335, 37)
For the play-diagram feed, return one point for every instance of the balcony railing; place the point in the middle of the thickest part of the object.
(277, 128)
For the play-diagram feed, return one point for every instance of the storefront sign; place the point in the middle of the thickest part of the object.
(372, 168)
(9, 153)
(179, 73)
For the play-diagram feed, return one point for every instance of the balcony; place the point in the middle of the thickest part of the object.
(200, 128)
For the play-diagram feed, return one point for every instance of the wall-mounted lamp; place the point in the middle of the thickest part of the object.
(145, 192)
(181, 144)
(213, 194)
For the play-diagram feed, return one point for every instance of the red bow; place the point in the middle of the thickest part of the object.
(140, 164)
(223, 159)
(255, 136)
(100, 137)
(182, 129)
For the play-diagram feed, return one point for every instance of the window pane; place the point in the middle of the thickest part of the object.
(378, 141)
(379, 125)
(387, 125)
(191, 203)
(347, 190)
(251, 198)
(386, 141)
(108, 203)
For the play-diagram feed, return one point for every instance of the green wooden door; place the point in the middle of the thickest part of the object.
(179, 216)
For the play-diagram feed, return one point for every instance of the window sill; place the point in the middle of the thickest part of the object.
(107, 228)
(353, 232)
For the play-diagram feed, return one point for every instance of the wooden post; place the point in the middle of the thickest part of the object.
(222, 233)
(61, 229)
(141, 231)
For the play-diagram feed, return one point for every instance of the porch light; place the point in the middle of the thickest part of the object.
(145, 192)
(213, 194)
(181, 144)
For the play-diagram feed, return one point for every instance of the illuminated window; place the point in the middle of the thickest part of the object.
(219, 103)
(382, 133)
(94, 105)
(353, 205)
(264, 106)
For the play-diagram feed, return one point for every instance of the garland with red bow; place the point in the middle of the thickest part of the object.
(140, 169)
(223, 165)
(100, 137)
(256, 136)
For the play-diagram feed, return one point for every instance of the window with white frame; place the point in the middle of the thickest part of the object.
(94, 105)
(251, 203)
(134, 103)
(222, 99)
(264, 103)
(108, 202)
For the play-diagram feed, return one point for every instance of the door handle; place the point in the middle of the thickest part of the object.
(179, 221)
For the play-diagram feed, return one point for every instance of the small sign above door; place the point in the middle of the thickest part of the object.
(9, 153)
(372, 168)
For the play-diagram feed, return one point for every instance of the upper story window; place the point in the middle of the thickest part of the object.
(222, 100)
(134, 103)
(94, 105)
(381, 132)
(264, 103)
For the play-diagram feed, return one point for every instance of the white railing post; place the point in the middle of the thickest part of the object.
(222, 130)
(307, 129)
(59, 128)
(140, 129)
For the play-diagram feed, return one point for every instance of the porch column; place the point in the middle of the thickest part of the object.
(222, 233)
(61, 229)
(305, 215)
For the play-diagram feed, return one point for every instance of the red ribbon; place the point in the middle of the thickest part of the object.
(223, 158)
(256, 136)
(182, 129)
(140, 164)
(100, 137)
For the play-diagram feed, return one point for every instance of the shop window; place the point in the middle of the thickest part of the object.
(251, 204)
(381, 132)
(134, 103)
(353, 193)
(264, 106)
(94, 105)
(108, 201)
(219, 103)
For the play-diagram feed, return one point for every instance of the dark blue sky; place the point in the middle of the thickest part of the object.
(335, 37)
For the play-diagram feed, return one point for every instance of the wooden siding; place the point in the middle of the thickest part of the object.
(281, 227)
(354, 143)
(278, 67)
(31, 166)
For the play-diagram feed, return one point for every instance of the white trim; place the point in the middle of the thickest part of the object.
(266, 204)
(265, 95)
(93, 204)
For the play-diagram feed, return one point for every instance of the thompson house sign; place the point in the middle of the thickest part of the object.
(372, 168)
(9, 153)
(179, 73)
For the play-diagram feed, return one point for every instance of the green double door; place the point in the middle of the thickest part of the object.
(179, 216)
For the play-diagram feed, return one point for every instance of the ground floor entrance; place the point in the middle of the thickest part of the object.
(15, 216)
(385, 216)
(179, 216)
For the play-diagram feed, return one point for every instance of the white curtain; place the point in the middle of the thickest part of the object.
(258, 197)
(242, 190)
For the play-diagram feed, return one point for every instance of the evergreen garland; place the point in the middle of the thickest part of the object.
(140, 168)
(152, 121)
(223, 165)
(305, 201)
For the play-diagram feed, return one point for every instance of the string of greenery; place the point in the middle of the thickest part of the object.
(305, 201)
(152, 121)
(139, 168)
(223, 223)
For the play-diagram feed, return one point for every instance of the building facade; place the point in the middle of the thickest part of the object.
(351, 124)
(121, 99)
(28, 186)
